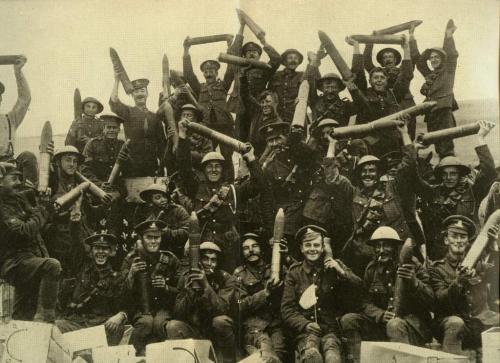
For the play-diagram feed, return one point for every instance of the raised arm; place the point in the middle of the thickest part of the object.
(187, 66)
(449, 48)
(115, 104)
(184, 161)
(487, 173)
(402, 84)
(367, 57)
(16, 115)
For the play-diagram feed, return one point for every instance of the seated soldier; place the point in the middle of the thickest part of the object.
(97, 294)
(378, 320)
(24, 260)
(259, 301)
(315, 326)
(204, 304)
(462, 293)
(159, 206)
(150, 285)
(87, 126)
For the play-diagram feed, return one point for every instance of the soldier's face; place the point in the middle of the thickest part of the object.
(159, 200)
(151, 241)
(252, 54)
(10, 182)
(292, 61)
(435, 59)
(90, 108)
(388, 59)
(277, 143)
(209, 262)
(140, 96)
(369, 175)
(101, 254)
(330, 87)
(378, 81)
(251, 250)
(111, 130)
(188, 115)
(384, 251)
(69, 164)
(312, 250)
(213, 171)
(450, 176)
(457, 241)
(210, 73)
(267, 105)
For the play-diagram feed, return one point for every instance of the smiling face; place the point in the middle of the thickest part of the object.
(312, 250)
(384, 251)
(213, 171)
(436, 59)
(100, 254)
(111, 130)
(188, 115)
(330, 88)
(209, 261)
(450, 176)
(151, 241)
(140, 96)
(292, 61)
(369, 175)
(277, 143)
(251, 250)
(159, 200)
(267, 105)
(90, 108)
(69, 164)
(378, 80)
(11, 182)
(457, 241)
(388, 59)
(252, 54)
(210, 73)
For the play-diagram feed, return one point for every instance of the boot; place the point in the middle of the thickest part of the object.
(353, 346)
(332, 356)
(311, 355)
(47, 300)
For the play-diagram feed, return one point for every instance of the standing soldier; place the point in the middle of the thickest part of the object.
(160, 206)
(88, 126)
(150, 285)
(378, 321)
(462, 294)
(259, 301)
(212, 97)
(204, 304)
(102, 151)
(24, 260)
(9, 122)
(98, 293)
(438, 86)
(459, 191)
(142, 127)
(316, 328)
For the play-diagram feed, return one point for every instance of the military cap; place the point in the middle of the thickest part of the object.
(9, 169)
(251, 46)
(366, 160)
(102, 238)
(451, 161)
(210, 246)
(460, 223)
(150, 225)
(71, 150)
(145, 194)
(111, 117)
(140, 83)
(250, 235)
(2, 88)
(392, 158)
(193, 108)
(274, 129)
(333, 76)
(323, 123)
(427, 53)
(100, 107)
(397, 55)
(210, 62)
(310, 228)
(386, 234)
(291, 51)
(212, 156)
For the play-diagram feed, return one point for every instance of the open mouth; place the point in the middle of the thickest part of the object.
(100, 259)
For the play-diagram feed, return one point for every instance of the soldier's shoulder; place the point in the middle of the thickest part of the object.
(437, 263)
(371, 265)
(96, 139)
(238, 270)
(167, 257)
(294, 266)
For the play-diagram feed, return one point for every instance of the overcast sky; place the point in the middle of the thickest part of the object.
(67, 42)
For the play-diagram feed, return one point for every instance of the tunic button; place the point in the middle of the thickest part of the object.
(319, 309)
(387, 272)
(213, 220)
(213, 232)
(389, 285)
(391, 298)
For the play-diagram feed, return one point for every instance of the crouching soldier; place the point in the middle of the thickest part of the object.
(150, 285)
(462, 294)
(378, 320)
(315, 325)
(203, 305)
(97, 293)
(259, 301)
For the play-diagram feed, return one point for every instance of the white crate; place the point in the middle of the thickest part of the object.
(405, 353)
(181, 351)
(491, 345)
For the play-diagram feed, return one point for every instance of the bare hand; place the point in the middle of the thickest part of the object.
(159, 282)
(331, 263)
(349, 40)
(350, 85)
(137, 265)
(411, 31)
(197, 275)
(273, 284)
(313, 57)
(450, 30)
(106, 199)
(183, 129)
(407, 272)
(388, 315)
(484, 128)
(314, 328)
(186, 44)
(123, 154)
(113, 324)
(20, 62)
(249, 156)
(464, 274)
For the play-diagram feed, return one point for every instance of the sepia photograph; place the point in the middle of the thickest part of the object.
(254, 181)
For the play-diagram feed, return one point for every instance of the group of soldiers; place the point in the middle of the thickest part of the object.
(370, 240)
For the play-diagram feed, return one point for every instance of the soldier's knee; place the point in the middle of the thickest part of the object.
(52, 268)
(350, 321)
(395, 327)
(222, 323)
(453, 324)
(177, 329)
(144, 324)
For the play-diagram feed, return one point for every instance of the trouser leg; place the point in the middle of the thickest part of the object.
(308, 346)
(160, 321)
(453, 328)
(48, 290)
(224, 338)
(177, 329)
(397, 331)
(143, 328)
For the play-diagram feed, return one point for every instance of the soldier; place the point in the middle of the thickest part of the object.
(389, 59)
(9, 122)
(204, 304)
(160, 206)
(144, 129)
(150, 285)
(212, 98)
(438, 87)
(259, 301)
(462, 294)
(24, 260)
(98, 293)
(458, 192)
(378, 321)
(214, 200)
(315, 328)
(374, 203)
(102, 151)
(87, 126)
(380, 100)
(286, 82)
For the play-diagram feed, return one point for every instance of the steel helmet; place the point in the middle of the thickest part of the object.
(334, 77)
(69, 149)
(323, 123)
(451, 161)
(145, 194)
(100, 107)
(385, 233)
(210, 246)
(366, 160)
(211, 156)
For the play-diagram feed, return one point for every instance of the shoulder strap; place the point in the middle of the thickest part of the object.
(10, 146)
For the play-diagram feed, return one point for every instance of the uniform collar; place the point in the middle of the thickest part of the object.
(452, 261)
(312, 268)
